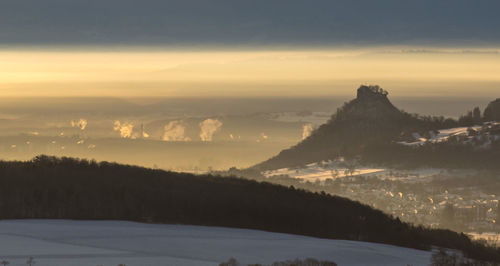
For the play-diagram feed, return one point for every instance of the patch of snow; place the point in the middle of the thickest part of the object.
(315, 171)
(441, 136)
(331, 170)
(74, 243)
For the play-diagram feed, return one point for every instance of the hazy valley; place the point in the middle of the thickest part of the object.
(434, 195)
(249, 133)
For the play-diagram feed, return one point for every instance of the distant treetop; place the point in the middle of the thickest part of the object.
(371, 90)
(492, 111)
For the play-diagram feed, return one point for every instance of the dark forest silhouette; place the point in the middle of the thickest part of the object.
(66, 188)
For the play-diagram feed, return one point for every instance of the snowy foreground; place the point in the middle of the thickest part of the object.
(64, 242)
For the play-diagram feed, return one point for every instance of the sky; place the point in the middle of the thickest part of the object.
(298, 73)
(227, 48)
(201, 23)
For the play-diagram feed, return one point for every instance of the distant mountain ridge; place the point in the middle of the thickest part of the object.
(371, 128)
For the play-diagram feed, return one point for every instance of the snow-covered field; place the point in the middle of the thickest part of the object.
(441, 135)
(313, 172)
(331, 170)
(478, 132)
(68, 243)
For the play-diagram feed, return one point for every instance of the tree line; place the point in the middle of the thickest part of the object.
(66, 188)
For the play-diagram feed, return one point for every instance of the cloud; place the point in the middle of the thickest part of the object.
(291, 22)
(442, 51)
(208, 128)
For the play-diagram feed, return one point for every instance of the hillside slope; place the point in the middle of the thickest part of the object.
(372, 129)
(52, 188)
(370, 118)
(101, 243)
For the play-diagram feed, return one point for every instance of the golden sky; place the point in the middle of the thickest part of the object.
(404, 71)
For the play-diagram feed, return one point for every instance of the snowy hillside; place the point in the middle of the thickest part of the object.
(480, 135)
(68, 243)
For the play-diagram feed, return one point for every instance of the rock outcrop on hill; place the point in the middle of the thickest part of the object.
(369, 118)
(372, 129)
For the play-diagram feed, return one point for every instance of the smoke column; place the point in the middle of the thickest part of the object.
(306, 130)
(125, 128)
(208, 128)
(81, 124)
(174, 131)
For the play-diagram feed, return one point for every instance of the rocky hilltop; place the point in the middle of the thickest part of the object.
(371, 103)
(371, 128)
(369, 118)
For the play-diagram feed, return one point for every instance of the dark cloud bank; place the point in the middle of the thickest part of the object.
(255, 22)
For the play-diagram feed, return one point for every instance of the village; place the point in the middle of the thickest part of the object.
(430, 197)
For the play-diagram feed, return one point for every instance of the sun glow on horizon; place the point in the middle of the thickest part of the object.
(408, 72)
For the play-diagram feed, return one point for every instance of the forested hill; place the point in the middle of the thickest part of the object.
(371, 128)
(369, 119)
(65, 188)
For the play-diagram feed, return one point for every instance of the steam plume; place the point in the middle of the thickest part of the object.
(234, 137)
(174, 131)
(125, 128)
(208, 128)
(306, 130)
(81, 124)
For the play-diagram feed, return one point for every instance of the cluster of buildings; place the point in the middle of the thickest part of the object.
(464, 209)
(432, 197)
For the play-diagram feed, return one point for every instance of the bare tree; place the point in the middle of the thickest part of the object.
(350, 167)
(4, 262)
